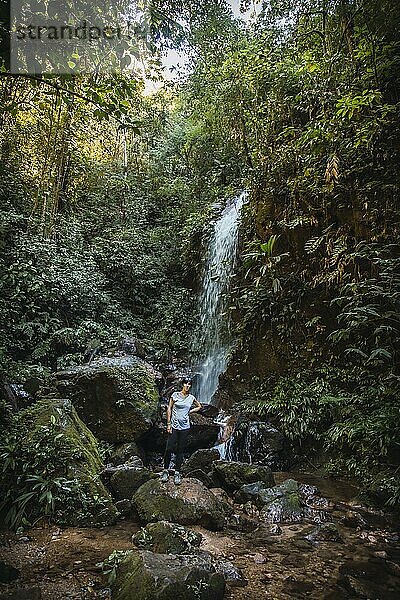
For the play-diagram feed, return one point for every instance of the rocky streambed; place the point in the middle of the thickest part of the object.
(308, 539)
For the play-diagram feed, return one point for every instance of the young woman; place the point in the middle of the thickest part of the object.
(180, 406)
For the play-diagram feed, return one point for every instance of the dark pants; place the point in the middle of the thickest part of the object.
(176, 443)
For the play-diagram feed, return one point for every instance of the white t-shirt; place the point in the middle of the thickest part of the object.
(180, 410)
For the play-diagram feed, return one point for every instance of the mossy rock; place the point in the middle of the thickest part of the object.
(116, 397)
(233, 475)
(202, 459)
(126, 480)
(201, 476)
(167, 538)
(144, 575)
(55, 442)
(190, 503)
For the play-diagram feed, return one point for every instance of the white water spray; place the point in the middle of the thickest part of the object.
(215, 338)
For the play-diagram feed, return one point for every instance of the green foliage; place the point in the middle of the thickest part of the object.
(50, 467)
(55, 300)
(111, 563)
(305, 407)
(348, 413)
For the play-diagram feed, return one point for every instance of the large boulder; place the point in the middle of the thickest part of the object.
(52, 439)
(127, 479)
(167, 538)
(116, 397)
(190, 503)
(144, 575)
(233, 475)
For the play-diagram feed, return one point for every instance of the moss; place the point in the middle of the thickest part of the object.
(233, 475)
(147, 576)
(192, 503)
(167, 538)
(56, 453)
(133, 583)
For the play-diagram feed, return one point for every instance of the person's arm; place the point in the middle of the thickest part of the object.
(169, 413)
(197, 407)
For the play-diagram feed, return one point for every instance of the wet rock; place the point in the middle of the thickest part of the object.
(24, 539)
(326, 532)
(241, 522)
(232, 575)
(257, 442)
(253, 493)
(148, 576)
(250, 509)
(259, 559)
(275, 530)
(116, 397)
(353, 520)
(126, 480)
(167, 538)
(126, 454)
(284, 503)
(8, 573)
(201, 459)
(233, 475)
(187, 504)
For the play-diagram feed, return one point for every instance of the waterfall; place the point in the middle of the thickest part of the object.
(215, 340)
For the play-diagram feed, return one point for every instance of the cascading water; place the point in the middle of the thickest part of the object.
(215, 337)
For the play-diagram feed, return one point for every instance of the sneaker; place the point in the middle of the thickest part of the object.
(164, 476)
(177, 478)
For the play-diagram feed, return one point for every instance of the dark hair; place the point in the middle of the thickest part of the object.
(185, 380)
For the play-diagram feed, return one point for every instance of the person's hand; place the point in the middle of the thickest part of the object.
(169, 429)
